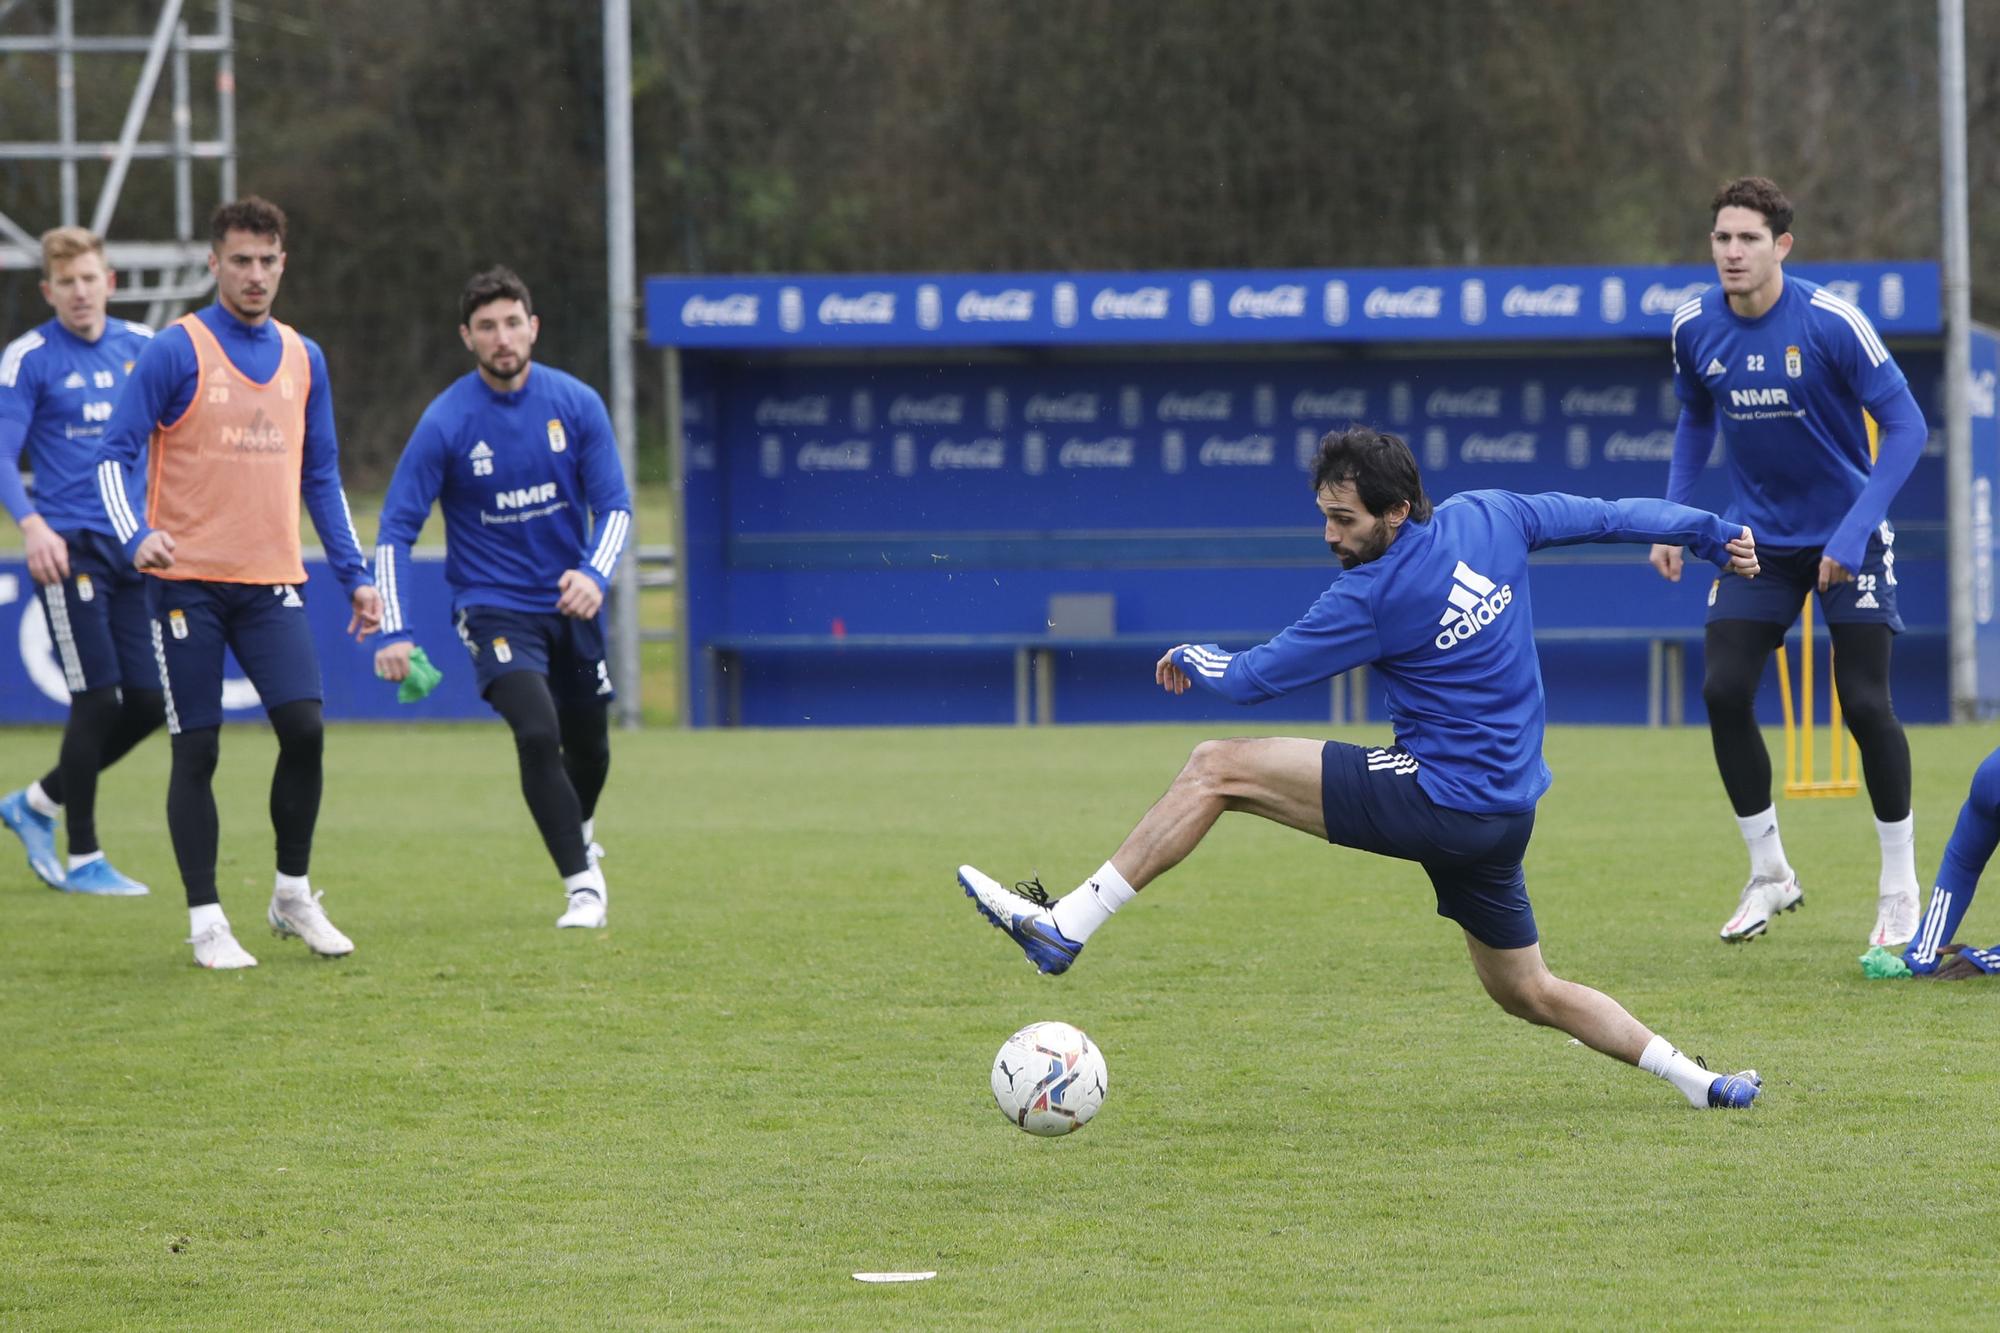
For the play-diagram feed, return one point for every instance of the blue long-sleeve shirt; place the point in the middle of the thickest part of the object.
(1790, 387)
(56, 395)
(519, 476)
(162, 386)
(1444, 615)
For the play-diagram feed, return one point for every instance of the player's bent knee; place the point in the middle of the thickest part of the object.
(195, 753)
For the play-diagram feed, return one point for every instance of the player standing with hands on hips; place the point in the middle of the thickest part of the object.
(57, 386)
(1792, 367)
(1437, 601)
(233, 414)
(521, 459)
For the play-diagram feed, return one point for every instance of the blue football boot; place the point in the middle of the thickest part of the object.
(102, 878)
(1024, 916)
(1733, 1092)
(37, 833)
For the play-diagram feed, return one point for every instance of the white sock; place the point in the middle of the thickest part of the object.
(84, 859)
(1661, 1060)
(1082, 910)
(1899, 854)
(208, 914)
(592, 879)
(1767, 851)
(291, 884)
(39, 802)
(589, 831)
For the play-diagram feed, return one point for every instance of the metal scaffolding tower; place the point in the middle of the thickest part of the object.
(164, 274)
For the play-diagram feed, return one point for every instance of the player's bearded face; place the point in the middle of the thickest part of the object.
(1354, 535)
(247, 269)
(501, 336)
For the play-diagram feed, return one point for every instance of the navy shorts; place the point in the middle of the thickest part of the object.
(1788, 575)
(97, 618)
(570, 652)
(263, 624)
(1373, 801)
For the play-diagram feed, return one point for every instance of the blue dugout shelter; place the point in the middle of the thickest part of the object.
(990, 498)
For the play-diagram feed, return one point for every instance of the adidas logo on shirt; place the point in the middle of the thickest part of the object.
(1715, 367)
(1475, 601)
(482, 459)
(75, 381)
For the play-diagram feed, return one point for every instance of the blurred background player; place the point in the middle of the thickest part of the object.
(1438, 603)
(1973, 839)
(238, 415)
(1792, 368)
(57, 385)
(523, 460)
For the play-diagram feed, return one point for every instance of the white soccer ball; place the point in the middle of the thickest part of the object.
(1049, 1079)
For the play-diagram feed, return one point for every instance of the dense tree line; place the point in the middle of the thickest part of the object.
(413, 142)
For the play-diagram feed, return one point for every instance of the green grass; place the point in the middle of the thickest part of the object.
(771, 1071)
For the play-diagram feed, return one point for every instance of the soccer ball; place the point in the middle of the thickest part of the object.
(1049, 1079)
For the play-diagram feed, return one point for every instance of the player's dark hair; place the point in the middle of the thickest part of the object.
(1380, 465)
(498, 283)
(251, 213)
(1759, 195)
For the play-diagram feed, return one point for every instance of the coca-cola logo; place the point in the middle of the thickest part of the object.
(734, 312)
(845, 456)
(1483, 401)
(1211, 405)
(1284, 302)
(988, 454)
(1660, 299)
(1331, 405)
(1651, 447)
(868, 308)
(940, 409)
(1617, 400)
(1016, 305)
(810, 410)
(1558, 300)
(1143, 303)
(1413, 303)
(1114, 451)
(1516, 446)
(1067, 407)
(1249, 451)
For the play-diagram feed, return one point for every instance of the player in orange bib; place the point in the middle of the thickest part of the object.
(231, 415)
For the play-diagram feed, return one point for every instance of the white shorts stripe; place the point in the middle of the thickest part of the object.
(166, 686)
(59, 630)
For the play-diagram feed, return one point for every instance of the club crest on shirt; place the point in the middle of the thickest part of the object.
(84, 590)
(1795, 364)
(501, 651)
(128, 367)
(177, 622)
(558, 441)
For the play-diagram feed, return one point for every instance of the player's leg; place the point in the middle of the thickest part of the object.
(1861, 655)
(1521, 983)
(272, 639)
(1275, 778)
(1736, 653)
(1972, 843)
(188, 642)
(580, 679)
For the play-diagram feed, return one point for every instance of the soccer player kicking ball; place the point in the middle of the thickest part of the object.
(1437, 601)
(517, 453)
(1791, 366)
(234, 414)
(57, 384)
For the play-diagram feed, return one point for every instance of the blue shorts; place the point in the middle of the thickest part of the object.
(263, 624)
(570, 652)
(97, 618)
(1788, 575)
(1373, 801)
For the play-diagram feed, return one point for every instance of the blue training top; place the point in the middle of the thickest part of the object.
(163, 385)
(1791, 386)
(515, 474)
(56, 393)
(1444, 615)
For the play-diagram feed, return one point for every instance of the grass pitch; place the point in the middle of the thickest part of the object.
(771, 1071)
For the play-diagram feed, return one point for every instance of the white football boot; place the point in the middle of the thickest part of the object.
(217, 948)
(1895, 920)
(299, 916)
(586, 909)
(1763, 899)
